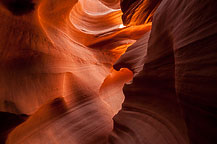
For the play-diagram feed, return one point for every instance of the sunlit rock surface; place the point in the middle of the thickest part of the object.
(72, 73)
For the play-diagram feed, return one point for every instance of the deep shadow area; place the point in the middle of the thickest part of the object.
(9, 121)
(19, 7)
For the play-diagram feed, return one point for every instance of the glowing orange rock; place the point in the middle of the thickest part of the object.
(56, 67)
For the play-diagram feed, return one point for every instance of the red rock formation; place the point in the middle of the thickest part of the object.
(178, 80)
(56, 65)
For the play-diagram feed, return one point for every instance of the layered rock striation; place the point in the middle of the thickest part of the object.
(72, 73)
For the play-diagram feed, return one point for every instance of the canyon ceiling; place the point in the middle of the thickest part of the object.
(108, 71)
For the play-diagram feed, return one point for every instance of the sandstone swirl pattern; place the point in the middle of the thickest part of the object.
(81, 77)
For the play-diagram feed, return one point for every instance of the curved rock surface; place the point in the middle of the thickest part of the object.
(178, 80)
(63, 64)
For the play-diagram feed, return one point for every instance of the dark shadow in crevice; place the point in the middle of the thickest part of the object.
(8, 122)
(19, 7)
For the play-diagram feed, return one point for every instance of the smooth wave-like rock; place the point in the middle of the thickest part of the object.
(38, 48)
(108, 71)
(136, 12)
(178, 80)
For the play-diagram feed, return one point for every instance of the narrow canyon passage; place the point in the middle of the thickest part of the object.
(108, 72)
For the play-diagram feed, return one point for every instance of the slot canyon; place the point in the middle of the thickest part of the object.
(108, 72)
